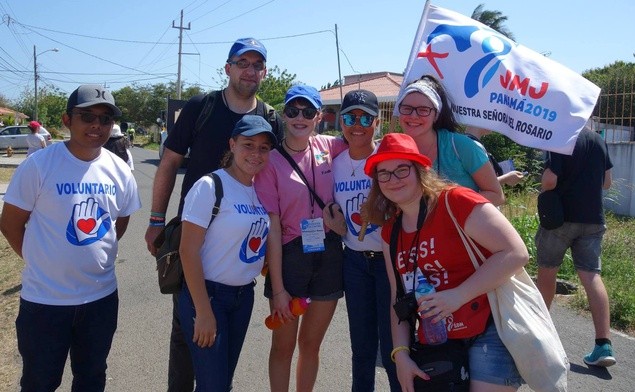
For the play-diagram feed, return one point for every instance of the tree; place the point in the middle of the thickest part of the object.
(493, 19)
(142, 104)
(273, 87)
(51, 105)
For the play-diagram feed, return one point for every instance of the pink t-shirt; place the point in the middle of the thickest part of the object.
(282, 192)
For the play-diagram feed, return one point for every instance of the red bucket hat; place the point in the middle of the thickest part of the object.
(396, 146)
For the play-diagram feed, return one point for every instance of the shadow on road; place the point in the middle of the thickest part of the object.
(597, 371)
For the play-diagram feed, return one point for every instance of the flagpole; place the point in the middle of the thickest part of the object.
(417, 43)
(411, 59)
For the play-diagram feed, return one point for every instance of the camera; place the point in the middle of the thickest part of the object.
(406, 306)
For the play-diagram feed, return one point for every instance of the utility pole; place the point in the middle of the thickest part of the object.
(35, 79)
(178, 77)
(339, 72)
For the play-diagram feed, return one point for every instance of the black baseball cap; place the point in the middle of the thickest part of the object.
(360, 99)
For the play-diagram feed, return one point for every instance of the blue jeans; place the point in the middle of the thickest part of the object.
(232, 305)
(46, 334)
(367, 294)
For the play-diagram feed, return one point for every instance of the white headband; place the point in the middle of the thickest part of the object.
(423, 87)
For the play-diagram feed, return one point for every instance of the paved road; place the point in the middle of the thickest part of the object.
(138, 360)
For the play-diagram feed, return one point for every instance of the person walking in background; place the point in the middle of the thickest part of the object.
(207, 142)
(34, 140)
(579, 180)
(413, 197)
(119, 145)
(77, 200)
(221, 261)
(425, 113)
(510, 178)
(304, 254)
(366, 287)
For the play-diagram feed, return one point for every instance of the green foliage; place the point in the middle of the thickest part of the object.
(142, 104)
(275, 85)
(618, 255)
(493, 19)
(51, 104)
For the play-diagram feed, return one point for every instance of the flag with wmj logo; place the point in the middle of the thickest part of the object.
(500, 85)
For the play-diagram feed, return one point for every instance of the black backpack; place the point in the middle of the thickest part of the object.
(118, 146)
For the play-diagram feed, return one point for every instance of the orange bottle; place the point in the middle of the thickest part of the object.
(297, 306)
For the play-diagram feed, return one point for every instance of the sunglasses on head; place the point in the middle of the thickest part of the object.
(292, 112)
(87, 117)
(244, 64)
(365, 120)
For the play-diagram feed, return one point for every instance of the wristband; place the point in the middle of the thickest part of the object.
(157, 214)
(396, 350)
(156, 223)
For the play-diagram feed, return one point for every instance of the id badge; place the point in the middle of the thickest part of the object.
(312, 235)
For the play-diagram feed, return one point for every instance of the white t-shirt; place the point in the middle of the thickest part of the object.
(351, 190)
(34, 141)
(233, 252)
(70, 244)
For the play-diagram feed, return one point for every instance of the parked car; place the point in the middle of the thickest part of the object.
(15, 136)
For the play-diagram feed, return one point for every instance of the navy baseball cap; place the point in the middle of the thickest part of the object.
(360, 99)
(252, 125)
(88, 95)
(244, 45)
(303, 91)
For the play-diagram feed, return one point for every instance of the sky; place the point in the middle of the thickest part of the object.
(118, 43)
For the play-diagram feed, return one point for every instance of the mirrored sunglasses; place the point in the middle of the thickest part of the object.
(365, 120)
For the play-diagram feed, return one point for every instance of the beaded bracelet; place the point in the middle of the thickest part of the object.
(396, 350)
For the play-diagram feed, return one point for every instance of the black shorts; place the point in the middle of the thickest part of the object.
(316, 275)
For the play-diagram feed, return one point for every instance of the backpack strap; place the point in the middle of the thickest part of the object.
(218, 192)
(394, 237)
(207, 108)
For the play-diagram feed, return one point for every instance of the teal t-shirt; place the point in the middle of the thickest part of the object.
(459, 157)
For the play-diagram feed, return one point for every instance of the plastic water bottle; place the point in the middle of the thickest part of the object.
(435, 333)
(298, 307)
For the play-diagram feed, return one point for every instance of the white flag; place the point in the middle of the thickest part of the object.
(500, 85)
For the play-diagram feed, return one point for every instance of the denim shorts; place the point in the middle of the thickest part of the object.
(584, 239)
(491, 362)
(316, 275)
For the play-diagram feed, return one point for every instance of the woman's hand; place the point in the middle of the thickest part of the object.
(204, 329)
(281, 305)
(440, 304)
(407, 370)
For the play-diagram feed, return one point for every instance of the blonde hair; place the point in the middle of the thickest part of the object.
(380, 209)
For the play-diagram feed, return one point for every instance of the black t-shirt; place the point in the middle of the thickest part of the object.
(581, 177)
(209, 145)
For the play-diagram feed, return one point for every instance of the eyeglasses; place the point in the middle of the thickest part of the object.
(422, 111)
(365, 120)
(401, 172)
(88, 118)
(244, 64)
(292, 112)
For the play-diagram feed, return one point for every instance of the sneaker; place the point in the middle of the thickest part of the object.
(601, 356)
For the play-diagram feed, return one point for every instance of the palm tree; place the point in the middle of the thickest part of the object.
(493, 19)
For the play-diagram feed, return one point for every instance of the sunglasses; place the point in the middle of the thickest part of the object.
(365, 120)
(401, 172)
(292, 112)
(244, 64)
(422, 111)
(87, 117)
